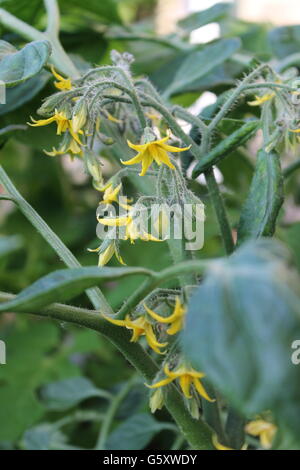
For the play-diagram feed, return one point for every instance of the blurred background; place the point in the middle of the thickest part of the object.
(51, 386)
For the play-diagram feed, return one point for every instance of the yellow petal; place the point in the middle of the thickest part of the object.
(114, 321)
(118, 222)
(138, 148)
(156, 316)
(172, 149)
(218, 445)
(261, 99)
(185, 385)
(175, 327)
(201, 390)
(161, 383)
(137, 159)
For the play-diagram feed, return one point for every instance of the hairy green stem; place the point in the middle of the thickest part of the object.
(95, 295)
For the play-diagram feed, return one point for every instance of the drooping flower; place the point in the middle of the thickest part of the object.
(262, 429)
(60, 117)
(156, 150)
(140, 327)
(132, 232)
(62, 83)
(176, 319)
(69, 145)
(187, 377)
(107, 253)
(259, 100)
(63, 124)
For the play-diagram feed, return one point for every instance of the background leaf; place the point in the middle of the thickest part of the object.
(18, 67)
(200, 63)
(264, 200)
(65, 394)
(240, 326)
(134, 433)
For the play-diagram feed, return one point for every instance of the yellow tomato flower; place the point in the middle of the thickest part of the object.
(140, 327)
(131, 232)
(69, 145)
(62, 83)
(156, 150)
(264, 430)
(59, 117)
(111, 194)
(176, 319)
(106, 255)
(259, 100)
(187, 377)
(63, 124)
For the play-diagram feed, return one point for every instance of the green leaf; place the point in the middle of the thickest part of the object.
(265, 198)
(200, 18)
(6, 48)
(200, 63)
(63, 285)
(19, 66)
(240, 326)
(65, 394)
(284, 40)
(134, 433)
(30, 364)
(21, 94)
(43, 437)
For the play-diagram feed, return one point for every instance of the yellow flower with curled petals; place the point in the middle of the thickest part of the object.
(187, 377)
(259, 100)
(111, 194)
(176, 319)
(262, 429)
(62, 83)
(156, 150)
(131, 230)
(69, 145)
(140, 327)
(63, 125)
(106, 255)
